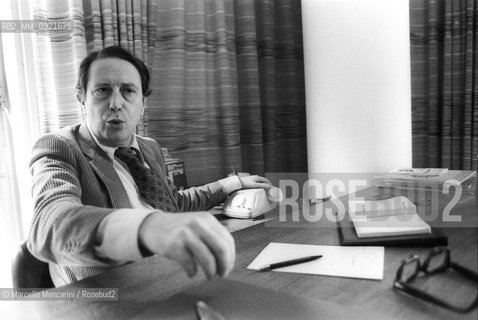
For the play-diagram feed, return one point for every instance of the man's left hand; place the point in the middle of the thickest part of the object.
(255, 181)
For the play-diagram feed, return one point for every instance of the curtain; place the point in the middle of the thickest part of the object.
(444, 69)
(17, 128)
(57, 57)
(11, 231)
(228, 86)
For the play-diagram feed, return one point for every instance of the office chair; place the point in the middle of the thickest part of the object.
(28, 271)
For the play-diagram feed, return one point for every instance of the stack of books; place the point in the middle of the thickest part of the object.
(432, 178)
(175, 170)
(392, 222)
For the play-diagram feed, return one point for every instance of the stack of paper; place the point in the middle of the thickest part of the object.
(390, 217)
(396, 206)
(352, 262)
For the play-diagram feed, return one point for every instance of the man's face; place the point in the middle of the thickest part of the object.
(113, 101)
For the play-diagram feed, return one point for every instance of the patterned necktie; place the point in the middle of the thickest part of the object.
(150, 186)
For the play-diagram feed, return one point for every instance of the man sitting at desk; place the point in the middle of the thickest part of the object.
(101, 194)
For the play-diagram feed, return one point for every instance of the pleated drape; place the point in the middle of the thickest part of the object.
(57, 57)
(271, 85)
(228, 86)
(444, 37)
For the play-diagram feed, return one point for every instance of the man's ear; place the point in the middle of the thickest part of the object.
(81, 100)
(145, 99)
(80, 97)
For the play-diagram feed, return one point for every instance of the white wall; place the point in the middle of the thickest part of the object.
(357, 75)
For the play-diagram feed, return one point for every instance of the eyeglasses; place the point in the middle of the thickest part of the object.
(438, 260)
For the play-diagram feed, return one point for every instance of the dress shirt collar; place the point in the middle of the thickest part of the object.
(110, 151)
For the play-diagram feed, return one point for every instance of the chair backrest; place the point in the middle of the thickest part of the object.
(28, 271)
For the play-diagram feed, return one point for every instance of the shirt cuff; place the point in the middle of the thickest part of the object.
(231, 184)
(117, 234)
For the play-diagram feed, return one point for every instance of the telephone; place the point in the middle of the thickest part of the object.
(248, 203)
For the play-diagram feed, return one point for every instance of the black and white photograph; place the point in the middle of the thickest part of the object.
(239, 159)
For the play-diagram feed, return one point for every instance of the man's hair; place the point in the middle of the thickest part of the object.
(112, 52)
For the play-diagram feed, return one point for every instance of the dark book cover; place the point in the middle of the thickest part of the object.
(348, 237)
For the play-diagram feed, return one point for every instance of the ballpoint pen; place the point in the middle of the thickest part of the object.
(289, 263)
(320, 200)
(259, 217)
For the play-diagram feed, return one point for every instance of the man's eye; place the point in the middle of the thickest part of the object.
(129, 91)
(101, 91)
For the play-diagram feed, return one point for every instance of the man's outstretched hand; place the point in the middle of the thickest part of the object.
(192, 240)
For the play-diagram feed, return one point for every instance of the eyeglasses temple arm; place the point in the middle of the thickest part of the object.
(425, 296)
(465, 271)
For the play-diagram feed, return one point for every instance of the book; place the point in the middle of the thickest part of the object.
(436, 178)
(420, 172)
(390, 217)
(175, 170)
(348, 237)
(395, 206)
(393, 222)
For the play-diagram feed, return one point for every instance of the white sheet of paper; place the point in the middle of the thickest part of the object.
(351, 262)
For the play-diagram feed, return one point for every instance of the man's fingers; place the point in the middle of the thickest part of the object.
(223, 246)
(262, 185)
(264, 180)
(220, 243)
(185, 260)
(191, 240)
(255, 182)
(202, 255)
(259, 179)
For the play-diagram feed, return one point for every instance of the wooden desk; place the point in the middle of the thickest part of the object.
(143, 283)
